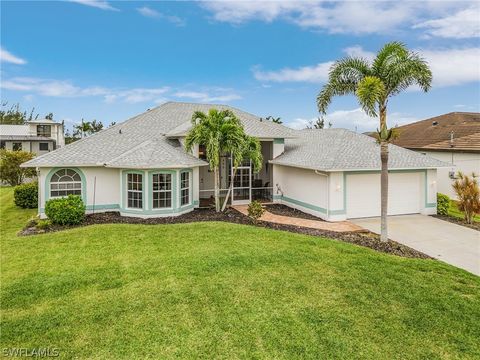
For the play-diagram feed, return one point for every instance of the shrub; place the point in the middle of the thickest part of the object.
(69, 210)
(26, 195)
(443, 204)
(43, 224)
(255, 210)
(10, 170)
(468, 194)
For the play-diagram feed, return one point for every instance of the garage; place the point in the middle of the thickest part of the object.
(363, 194)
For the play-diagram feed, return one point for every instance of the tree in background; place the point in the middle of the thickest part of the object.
(10, 170)
(468, 194)
(49, 116)
(394, 69)
(14, 115)
(318, 124)
(274, 119)
(95, 126)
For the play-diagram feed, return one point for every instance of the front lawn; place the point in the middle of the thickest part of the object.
(221, 290)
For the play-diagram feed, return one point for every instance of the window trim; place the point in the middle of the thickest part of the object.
(189, 172)
(173, 208)
(43, 126)
(49, 178)
(171, 191)
(126, 191)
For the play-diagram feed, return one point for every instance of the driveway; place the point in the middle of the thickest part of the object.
(454, 244)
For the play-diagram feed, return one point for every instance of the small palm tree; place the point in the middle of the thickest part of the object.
(221, 133)
(468, 194)
(82, 129)
(393, 70)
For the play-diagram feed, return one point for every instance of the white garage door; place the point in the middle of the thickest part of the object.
(363, 194)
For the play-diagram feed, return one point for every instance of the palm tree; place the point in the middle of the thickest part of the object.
(394, 69)
(82, 129)
(221, 133)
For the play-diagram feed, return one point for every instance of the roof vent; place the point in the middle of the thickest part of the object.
(120, 131)
(435, 123)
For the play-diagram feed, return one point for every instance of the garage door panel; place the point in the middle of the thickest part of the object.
(363, 194)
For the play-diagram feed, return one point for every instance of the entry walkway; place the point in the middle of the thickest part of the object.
(340, 226)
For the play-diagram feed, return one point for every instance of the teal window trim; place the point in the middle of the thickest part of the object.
(171, 209)
(54, 170)
(190, 188)
(124, 189)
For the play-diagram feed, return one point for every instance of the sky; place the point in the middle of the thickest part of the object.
(111, 60)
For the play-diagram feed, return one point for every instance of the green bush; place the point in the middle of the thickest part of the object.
(255, 210)
(10, 170)
(443, 204)
(26, 195)
(43, 224)
(69, 210)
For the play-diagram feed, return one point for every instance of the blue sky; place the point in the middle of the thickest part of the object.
(110, 60)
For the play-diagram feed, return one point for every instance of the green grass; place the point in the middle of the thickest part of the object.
(218, 290)
(454, 212)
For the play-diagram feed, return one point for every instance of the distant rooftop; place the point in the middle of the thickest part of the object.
(455, 131)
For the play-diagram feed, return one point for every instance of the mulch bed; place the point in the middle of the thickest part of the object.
(474, 226)
(366, 239)
(279, 209)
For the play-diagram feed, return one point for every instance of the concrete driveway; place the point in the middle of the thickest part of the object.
(454, 244)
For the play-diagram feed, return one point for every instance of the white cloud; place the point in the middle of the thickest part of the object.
(463, 24)
(354, 119)
(315, 74)
(453, 66)
(99, 4)
(66, 89)
(152, 13)
(217, 95)
(6, 56)
(355, 17)
(449, 67)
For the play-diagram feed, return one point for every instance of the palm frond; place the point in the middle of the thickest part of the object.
(370, 93)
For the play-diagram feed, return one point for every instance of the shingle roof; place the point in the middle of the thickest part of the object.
(341, 149)
(434, 133)
(13, 130)
(252, 124)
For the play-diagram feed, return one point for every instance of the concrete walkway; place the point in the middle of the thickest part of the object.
(454, 244)
(341, 226)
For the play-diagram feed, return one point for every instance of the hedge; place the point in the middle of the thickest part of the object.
(26, 195)
(69, 210)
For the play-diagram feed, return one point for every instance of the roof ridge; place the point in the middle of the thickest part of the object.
(146, 142)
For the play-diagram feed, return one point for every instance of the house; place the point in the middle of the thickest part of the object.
(140, 168)
(39, 136)
(453, 138)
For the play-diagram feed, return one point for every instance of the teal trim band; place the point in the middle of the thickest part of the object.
(304, 204)
(97, 207)
(54, 170)
(337, 212)
(277, 197)
(279, 141)
(196, 202)
(150, 208)
(159, 211)
(124, 187)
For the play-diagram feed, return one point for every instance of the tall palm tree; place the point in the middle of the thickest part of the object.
(221, 133)
(394, 69)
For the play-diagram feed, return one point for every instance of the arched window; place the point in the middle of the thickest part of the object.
(65, 182)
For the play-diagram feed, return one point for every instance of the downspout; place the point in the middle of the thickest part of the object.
(328, 191)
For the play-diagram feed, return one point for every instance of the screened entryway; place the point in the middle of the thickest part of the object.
(247, 185)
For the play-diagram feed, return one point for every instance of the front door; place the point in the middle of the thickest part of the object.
(242, 184)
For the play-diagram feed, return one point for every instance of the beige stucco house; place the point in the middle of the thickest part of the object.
(453, 138)
(39, 136)
(140, 168)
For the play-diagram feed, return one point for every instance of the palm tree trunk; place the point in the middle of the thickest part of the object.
(230, 189)
(217, 195)
(384, 177)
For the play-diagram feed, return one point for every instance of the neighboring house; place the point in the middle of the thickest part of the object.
(38, 136)
(453, 138)
(140, 168)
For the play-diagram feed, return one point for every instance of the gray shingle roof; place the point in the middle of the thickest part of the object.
(13, 130)
(253, 125)
(341, 149)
